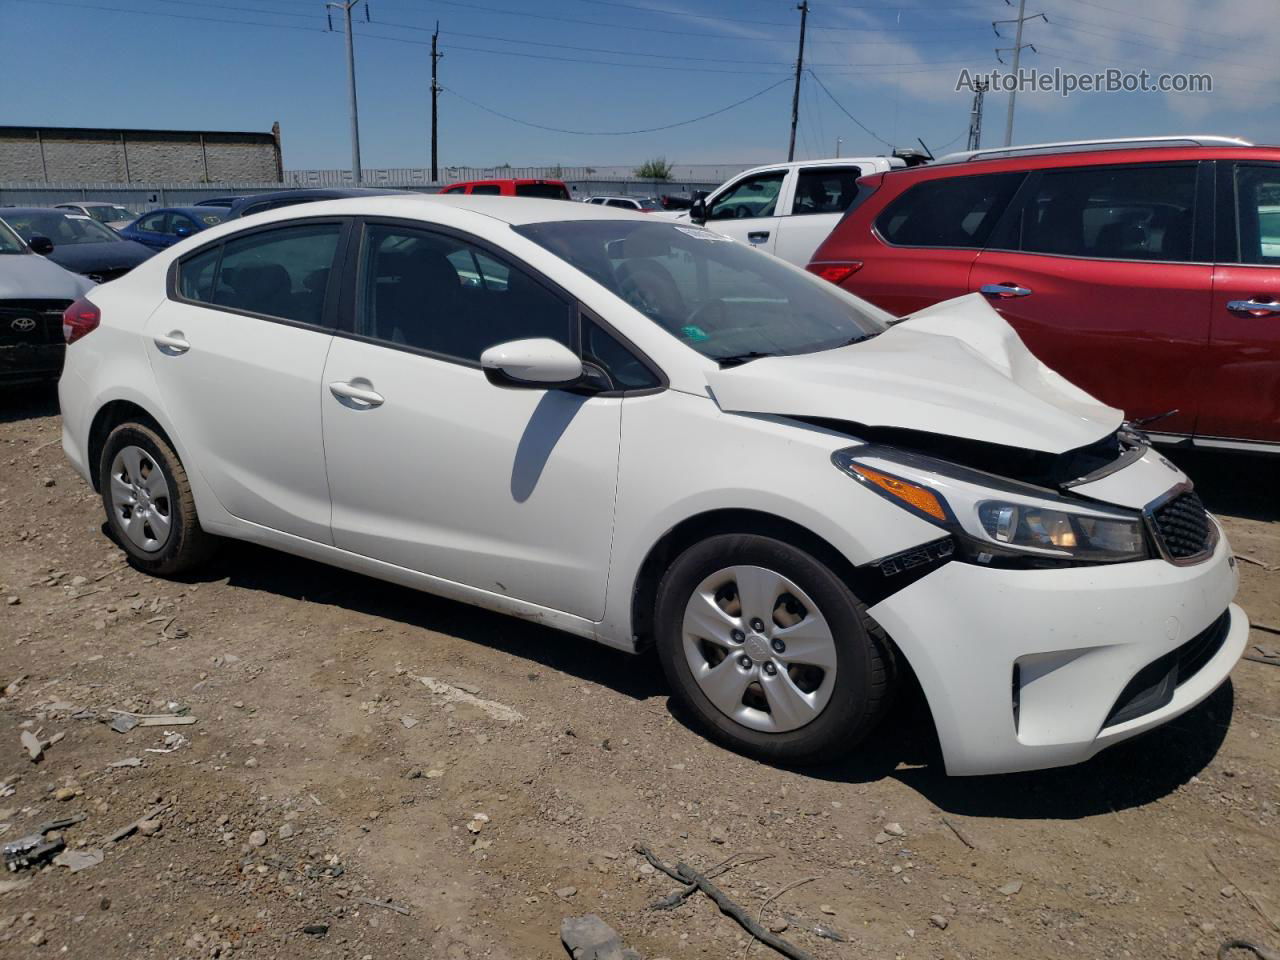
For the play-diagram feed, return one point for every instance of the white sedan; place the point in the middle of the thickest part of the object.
(653, 436)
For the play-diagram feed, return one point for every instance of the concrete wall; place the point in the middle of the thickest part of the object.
(123, 156)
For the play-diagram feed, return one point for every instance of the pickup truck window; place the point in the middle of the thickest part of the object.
(753, 197)
(825, 190)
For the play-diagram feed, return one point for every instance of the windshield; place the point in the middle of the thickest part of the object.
(724, 300)
(59, 226)
(547, 191)
(10, 242)
(110, 214)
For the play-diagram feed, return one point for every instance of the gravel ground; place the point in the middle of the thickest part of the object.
(331, 802)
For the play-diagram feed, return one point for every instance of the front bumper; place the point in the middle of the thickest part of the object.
(1077, 636)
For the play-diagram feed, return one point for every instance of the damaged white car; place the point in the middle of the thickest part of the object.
(650, 435)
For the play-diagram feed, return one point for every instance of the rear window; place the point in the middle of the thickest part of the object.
(547, 191)
(951, 212)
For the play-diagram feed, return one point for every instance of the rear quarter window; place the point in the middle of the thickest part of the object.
(948, 212)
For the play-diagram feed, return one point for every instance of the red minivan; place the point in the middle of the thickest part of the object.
(544, 189)
(1148, 274)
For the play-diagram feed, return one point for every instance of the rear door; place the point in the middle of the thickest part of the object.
(1096, 268)
(238, 349)
(922, 245)
(1242, 383)
(819, 199)
(152, 229)
(750, 209)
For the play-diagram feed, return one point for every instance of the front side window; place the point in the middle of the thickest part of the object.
(715, 295)
(437, 293)
(1118, 213)
(276, 273)
(825, 190)
(753, 197)
(10, 242)
(950, 212)
(152, 222)
(1257, 190)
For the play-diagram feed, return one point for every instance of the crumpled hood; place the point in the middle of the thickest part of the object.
(956, 368)
(29, 276)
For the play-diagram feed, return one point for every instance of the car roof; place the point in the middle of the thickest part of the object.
(5, 211)
(196, 211)
(512, 180)
(830, 162)
(515, 211)
(89, 203)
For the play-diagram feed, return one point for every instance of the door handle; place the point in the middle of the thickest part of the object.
(1004, 290)
(758, 236)
(1259, 308)
(351, 394)
(173, 343)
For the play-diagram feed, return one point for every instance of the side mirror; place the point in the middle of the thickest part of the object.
(182, 231)
(41, 245)
(538, 364)
(698, 211)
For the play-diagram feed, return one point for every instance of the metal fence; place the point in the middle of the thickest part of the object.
(712, 173)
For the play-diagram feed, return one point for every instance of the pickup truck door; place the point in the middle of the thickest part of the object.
(819, 198)
(749, 209)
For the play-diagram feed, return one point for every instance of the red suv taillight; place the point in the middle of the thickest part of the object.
(836, 271)
(79, 319)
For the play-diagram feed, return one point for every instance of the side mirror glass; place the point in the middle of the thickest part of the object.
(698, 211)
(182, 231)
(538, 364)
(41, 245)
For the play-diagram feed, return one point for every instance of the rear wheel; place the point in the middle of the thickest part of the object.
(148, 502)
(770, 650)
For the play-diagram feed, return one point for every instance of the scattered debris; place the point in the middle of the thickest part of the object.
(1264, 655)
(1269, 567)
(478, 820)
(78, 860)
(590, 938)
(453, 694)
(828, 933)
(126, 762)
(123, 722)
(316, 929)
(258, 838)
(1010, 888)
(894, 830)
(1262, 953)
(409, 722)
(36, 747)
(11, 688)
(149, 720)
(564, 893)
(130, 828)
(939, 921)
(680, 896)
(960, 835)
(149, 828)
(172, 741)
(384, 904)
(34, 848)
(1252, 901)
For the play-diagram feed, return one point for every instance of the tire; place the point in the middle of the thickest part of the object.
(846, 688)
(153, 519)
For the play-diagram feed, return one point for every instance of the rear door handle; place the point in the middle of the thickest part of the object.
(173, 343)
(357, 394)
(758, 236)
(1259, 308)
(1004, 290)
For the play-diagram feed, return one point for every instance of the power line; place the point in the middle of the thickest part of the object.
(172, 16)
(1167, 23)
(615, 133)
(842, 109)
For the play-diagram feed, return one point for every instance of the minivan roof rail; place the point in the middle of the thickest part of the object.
(1066, 146)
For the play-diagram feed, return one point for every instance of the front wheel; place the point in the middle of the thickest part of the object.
(770, 650)
(147, 497)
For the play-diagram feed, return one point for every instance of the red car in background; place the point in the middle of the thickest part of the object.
(545, 189)
(1147, 272)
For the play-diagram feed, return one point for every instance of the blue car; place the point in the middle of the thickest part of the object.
(163, 228)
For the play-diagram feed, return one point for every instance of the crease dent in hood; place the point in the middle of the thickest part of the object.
(29, 276)
(956, 368)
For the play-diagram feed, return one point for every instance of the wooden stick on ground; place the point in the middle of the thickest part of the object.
(735, 912)
(760, 913)
(672, 900)
(1244, 893)
(956, 830)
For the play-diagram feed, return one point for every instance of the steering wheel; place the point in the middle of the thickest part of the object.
(741, 211)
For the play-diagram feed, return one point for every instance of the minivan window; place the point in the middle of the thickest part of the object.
(1257, 191)
(276, 273)
(1119, 213)
(715, 295)
(440, 294)
(948, 212)
(825, 190)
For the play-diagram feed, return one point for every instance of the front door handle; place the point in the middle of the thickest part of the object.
(1259, 308)
(173, 343)
(357, 394)
(758, 236)
(1004, 290)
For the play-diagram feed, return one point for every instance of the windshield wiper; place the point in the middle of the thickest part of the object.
(737, 359)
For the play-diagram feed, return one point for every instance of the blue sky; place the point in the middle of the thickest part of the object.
(893, 66)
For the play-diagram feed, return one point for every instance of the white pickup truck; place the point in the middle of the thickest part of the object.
(786, 209)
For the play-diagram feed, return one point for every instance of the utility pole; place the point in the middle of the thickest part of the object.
(346, 6)
(839, 141)
(435, 94)
(975, 114)
(1017, 48)
(803, 7)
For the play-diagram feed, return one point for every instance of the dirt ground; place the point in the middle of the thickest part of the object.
(329, 803)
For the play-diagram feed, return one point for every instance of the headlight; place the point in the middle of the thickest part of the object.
(994, 520)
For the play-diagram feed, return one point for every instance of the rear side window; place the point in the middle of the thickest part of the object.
(952, 212)
(825, 190)
(547, 191)
(491, 188)
(1115, 213)
(276, 273)
(152, 222)
(1257, 192)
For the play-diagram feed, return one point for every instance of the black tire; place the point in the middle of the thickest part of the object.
(865, 675)
(187, 546)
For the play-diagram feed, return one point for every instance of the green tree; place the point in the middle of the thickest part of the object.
(656, 169)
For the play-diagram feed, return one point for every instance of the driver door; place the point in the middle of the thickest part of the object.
(749, 210)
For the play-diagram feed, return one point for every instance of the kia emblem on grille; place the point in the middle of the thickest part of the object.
(23, 324)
